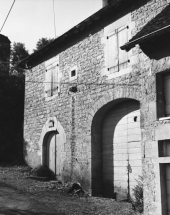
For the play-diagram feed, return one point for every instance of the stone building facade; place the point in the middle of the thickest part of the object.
(97, 114)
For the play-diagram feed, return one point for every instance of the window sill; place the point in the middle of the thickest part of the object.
(49, 98)
(116, 74)
(164, 159)
(164, 118)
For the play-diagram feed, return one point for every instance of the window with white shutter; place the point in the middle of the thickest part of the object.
(52, 83)
(48, 81)
(117, 58)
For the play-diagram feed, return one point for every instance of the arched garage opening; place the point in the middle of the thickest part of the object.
(116, 148)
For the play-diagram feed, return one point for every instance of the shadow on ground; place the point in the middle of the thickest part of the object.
(5, 185)
(4, 211)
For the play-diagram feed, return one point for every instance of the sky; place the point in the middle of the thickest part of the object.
(30, 20)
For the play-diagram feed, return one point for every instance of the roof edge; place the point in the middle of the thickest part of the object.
(131, 44)
(90, 20)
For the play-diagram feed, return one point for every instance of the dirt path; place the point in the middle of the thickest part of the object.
(16, 202)
(20, 195)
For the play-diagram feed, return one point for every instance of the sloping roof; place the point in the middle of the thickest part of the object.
(111, 10)
(157, 26)
(4, 39)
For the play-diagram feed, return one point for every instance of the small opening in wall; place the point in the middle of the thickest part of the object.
(73, 89)
(73, 73)
(135, 119)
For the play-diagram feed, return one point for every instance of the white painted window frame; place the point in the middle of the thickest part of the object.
(118, 25)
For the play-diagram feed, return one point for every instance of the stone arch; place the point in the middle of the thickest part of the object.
(117, 94)
(50, 126)
(95, 118)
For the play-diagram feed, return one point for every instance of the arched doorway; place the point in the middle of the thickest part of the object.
(54, 153)
(52, 144)
(116, 149)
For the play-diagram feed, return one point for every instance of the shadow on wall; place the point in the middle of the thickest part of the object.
(24, 212)
(11, 118)
(81, 173)
(30, 154)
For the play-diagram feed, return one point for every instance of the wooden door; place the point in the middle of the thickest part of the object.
(54, 152)
(121, 149)
(168, 188)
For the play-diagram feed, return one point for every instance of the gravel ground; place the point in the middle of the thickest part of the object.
(21, 195)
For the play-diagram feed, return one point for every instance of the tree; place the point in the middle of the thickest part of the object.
(18, 53)
(12, 103)
(41, 43)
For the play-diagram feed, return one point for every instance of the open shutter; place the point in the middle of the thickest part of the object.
(113, 52)
(48, 81)
(55, 80)
(167, 94)
(123, 55)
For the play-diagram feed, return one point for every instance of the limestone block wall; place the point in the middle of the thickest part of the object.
(76, 110)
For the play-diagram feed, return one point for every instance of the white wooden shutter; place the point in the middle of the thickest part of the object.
(113, 52)
(48, 82)
(123, 55)
(55, 80)
(167, 94)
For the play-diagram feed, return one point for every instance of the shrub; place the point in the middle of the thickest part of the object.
(137, 197)
(42, 171)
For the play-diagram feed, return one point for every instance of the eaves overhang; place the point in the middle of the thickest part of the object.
(132, 43)
(111, 10)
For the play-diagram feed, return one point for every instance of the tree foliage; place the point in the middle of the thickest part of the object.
(18, 53)
(12, 103)
(11, 118)
(42, 42)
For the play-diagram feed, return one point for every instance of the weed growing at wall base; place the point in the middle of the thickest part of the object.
(137, 197)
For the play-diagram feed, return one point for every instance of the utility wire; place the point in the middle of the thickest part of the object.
(69, 83)
(7, 15)
(54, 19)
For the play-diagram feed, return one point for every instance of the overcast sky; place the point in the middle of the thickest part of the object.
(31, 20)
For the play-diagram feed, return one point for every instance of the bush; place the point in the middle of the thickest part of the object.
(137, 198)
(42, 171)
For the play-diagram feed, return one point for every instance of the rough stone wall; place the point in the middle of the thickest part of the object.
(76, 111)
(150, 123)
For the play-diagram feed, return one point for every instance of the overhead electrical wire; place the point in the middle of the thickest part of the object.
(54, 19)
(64, 83)
(7, 15)
(69, 83)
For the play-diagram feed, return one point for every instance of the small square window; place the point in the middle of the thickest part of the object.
(73, 73)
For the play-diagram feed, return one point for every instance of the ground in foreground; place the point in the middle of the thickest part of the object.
(20, 195)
